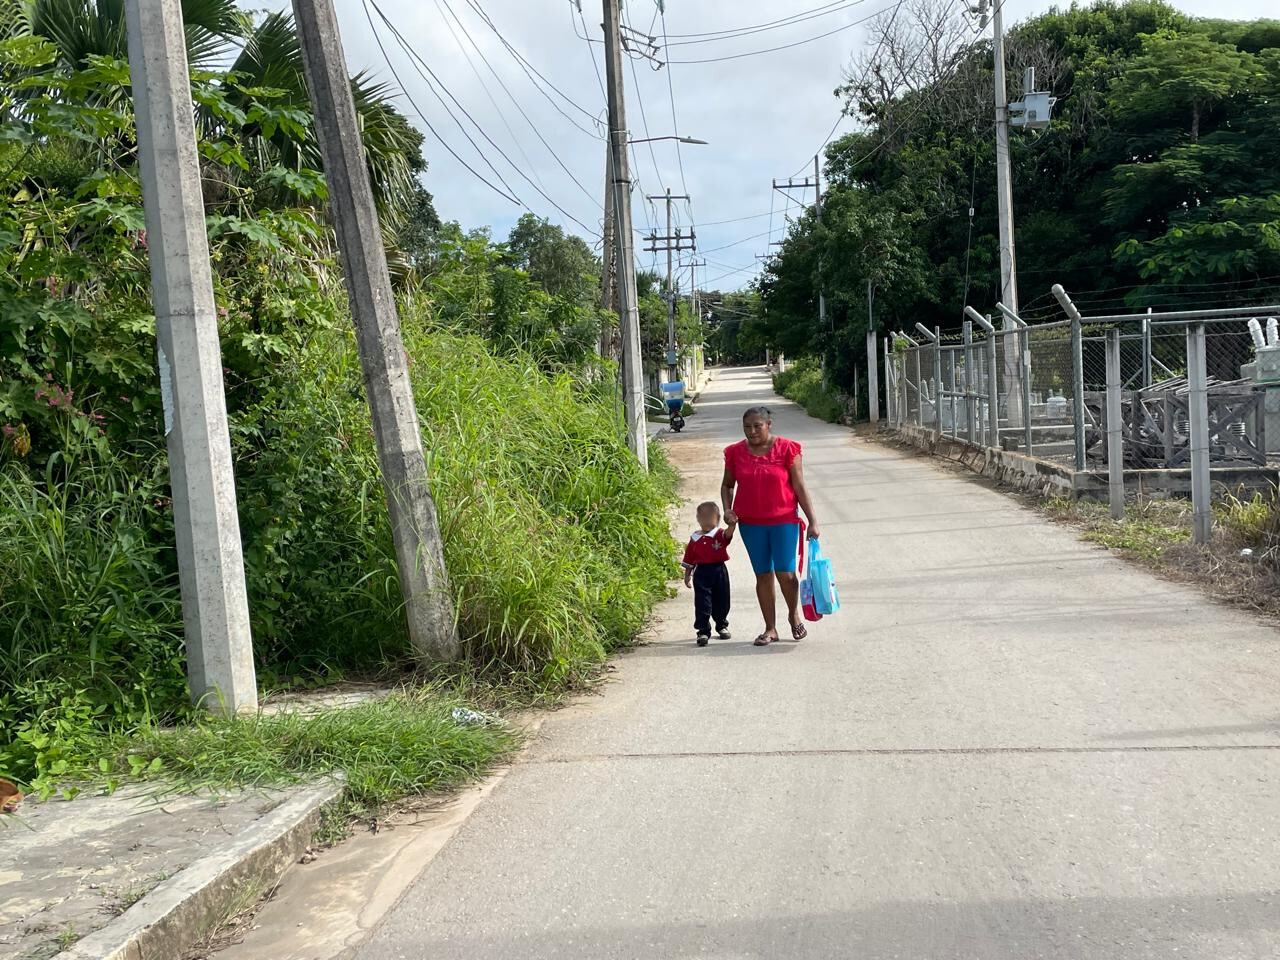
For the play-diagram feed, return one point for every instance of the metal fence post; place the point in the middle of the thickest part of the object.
(1077, 370)
(967, 335)
(919, 389)
(993, 386)
(873, 378)
(1198, 409)
(1146, 351)
(937, 378)
(1115, 427)
(1025, 339)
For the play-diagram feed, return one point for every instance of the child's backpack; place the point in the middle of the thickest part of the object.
(822, 582)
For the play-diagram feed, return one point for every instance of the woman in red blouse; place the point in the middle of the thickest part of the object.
(763, 486)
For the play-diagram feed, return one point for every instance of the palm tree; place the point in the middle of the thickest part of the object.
(266, 56)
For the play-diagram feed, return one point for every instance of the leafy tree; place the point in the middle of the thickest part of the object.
(1180, 74)
(561, 263)
(1156, 175)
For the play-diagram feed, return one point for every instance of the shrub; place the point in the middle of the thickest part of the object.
(803, 384)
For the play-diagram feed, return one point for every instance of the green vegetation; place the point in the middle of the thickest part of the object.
(556, 543)
(1148, 530)
(802, 383)
(403, 744)
(1154, 186)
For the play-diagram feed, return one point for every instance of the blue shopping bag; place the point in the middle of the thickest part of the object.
(826, 599)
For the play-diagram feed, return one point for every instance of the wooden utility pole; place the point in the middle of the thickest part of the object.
(215, 606)
(628, 310)
(433, 631)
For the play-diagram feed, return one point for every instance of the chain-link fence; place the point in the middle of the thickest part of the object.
(1047, 385)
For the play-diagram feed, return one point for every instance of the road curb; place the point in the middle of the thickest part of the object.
(196, 899)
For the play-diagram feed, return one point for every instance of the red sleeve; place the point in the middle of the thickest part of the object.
(731, 456)
(688, 554)
(790, 453)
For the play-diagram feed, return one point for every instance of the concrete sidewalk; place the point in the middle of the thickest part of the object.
(1008, 744)
(140, 873)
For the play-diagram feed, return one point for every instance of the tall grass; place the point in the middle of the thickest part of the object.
(90, 607)
(555, 541)
(403, 744)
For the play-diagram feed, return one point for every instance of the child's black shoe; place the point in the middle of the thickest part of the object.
(703, 638)
(724, 634)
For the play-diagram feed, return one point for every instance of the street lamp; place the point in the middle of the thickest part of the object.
(681, 139)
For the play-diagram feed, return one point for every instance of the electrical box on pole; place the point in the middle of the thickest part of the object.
(1033, 111)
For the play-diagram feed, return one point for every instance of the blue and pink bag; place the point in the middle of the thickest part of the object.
(819, 585)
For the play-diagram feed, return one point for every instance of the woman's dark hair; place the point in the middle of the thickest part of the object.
(764, 413)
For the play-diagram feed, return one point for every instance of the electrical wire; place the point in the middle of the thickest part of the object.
(484, 86)
(419, 61)
(532, 126)
(735, 243)
(879, 44)
(715, 279)
(675, 122)
(530, 68)
(786, 21)
(786, 46)
(968, 248)
(509, 194)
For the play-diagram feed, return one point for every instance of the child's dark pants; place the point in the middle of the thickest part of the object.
(710, 597)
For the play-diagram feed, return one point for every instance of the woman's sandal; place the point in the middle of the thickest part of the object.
(764, 640)
(799, 631)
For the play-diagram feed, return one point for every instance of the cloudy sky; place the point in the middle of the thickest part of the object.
(764, 116)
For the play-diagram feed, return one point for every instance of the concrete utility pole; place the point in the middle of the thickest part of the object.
(215, 608)
(608, 281)
(1004, 179)
(873, 376)
(433, 630)
(1004, 202)
(628, 310)
(672, 243)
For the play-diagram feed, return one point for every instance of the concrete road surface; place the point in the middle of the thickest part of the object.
(1007, 745)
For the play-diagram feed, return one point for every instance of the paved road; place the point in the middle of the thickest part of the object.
(1008, 745)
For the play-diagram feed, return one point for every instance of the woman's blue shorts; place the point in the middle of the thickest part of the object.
(773, 547)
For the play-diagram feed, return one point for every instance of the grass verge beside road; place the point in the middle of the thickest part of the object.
(1240, 565)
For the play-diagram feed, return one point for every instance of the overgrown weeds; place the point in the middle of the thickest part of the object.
(556, 543)
(803, 383)
(1240, 565)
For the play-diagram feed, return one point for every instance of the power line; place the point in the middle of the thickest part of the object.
(735, 243)
(707, 283)
(532, 125)
(879, 44)
(786, 46)
(417, 60)
(732, 34)
(529, 67)
(675, 122)
(485, 87)
(423, 117)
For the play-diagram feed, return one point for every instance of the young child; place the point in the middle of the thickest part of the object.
(705, 570)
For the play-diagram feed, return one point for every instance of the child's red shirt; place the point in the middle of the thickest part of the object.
(710, 547)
